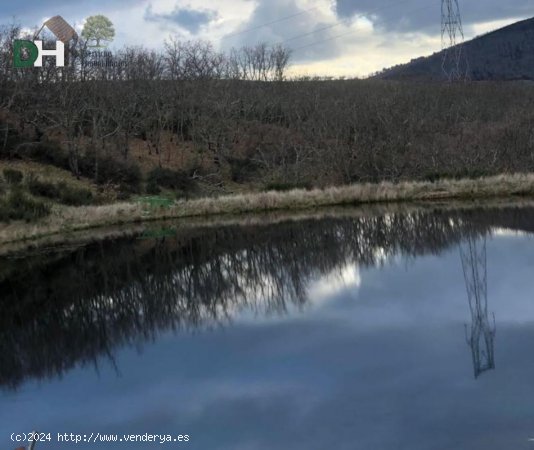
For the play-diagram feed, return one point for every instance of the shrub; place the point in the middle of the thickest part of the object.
(112, 171)
(9, 140)
(62, 192)
(46, 153)
(123, 195)
(13, 176)
(170, 179)
(19, 206)
(243, 170)
(42, 188)
(281, 186)
(74, 196)
(152, 188)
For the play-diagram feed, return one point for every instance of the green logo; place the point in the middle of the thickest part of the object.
(25, 53)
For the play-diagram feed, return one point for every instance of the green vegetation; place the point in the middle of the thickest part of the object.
(126, 176)
(18, 206)
(74, 196)
(156, 202)
(15, 204)
(13, 177)
(62, 192)
(28, 193)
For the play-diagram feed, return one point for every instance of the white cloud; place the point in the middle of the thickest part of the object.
(485, 27)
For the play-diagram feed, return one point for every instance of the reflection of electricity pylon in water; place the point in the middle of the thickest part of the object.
(473, 256)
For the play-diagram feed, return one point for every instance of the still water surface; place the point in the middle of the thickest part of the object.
(382, 331)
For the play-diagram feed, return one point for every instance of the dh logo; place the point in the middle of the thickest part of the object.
(30, 53)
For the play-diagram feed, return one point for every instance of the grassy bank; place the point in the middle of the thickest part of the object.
(170, 227)
(65, 219)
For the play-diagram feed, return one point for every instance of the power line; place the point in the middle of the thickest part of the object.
(273, 22)
(339, 22)
(346, 33)
(327, 27)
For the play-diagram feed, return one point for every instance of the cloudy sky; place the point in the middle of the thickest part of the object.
(328, 37)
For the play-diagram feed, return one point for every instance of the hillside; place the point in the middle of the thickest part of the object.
(142, 143)
(504, 54)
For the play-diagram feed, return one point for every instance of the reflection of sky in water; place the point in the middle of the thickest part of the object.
(377, 360)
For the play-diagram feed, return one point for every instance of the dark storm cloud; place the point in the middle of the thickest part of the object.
(187, 18)
(418, 15)
(284, 22)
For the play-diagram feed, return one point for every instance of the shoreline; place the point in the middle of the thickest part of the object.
(64, 221)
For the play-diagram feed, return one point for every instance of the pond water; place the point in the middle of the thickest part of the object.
(371, 331)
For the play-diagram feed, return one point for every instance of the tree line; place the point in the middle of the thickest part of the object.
(220, 119)
(177, 60)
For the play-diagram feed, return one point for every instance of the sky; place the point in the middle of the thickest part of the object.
(328, 37)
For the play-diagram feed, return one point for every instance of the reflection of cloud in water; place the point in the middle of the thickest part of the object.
(508, 232)
(321, 291)
(347, 278)
(102, 296)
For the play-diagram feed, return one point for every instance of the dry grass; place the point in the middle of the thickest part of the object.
(69, 219)
(89, 235)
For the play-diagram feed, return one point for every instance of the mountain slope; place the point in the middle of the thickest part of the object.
(504, 54)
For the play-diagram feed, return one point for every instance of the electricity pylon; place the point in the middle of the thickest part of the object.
(480, 339)
(454, 62)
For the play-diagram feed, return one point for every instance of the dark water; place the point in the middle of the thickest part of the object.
(398, 331)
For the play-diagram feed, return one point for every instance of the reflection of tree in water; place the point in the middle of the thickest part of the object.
(72, 306)
(482, 332)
